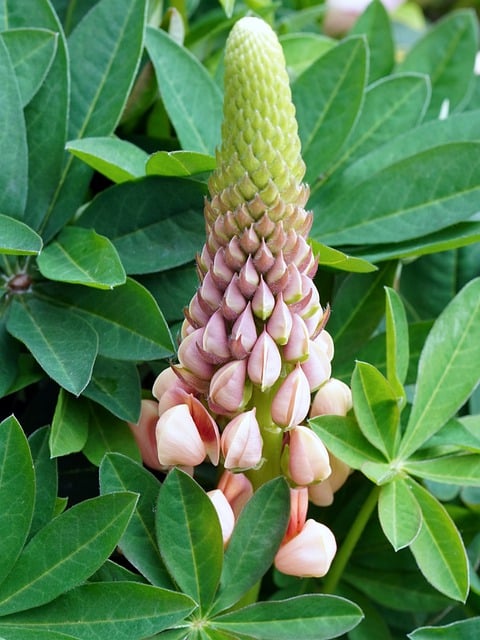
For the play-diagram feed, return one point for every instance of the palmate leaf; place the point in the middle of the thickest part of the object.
(462, 469)
(16, 238)
(69, 429)
(46, 480)
(397, 348)
(21, 633)
(399, 513)
(461, 630)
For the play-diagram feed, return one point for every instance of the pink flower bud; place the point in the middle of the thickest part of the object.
(228, 390)
(221, 272)
(178, 440)
(237, 489)
(264, 362)
(263, 301)
(233, 302)
(298, 511)
(206, 426)
(280, 322)
(241, 442)
(263, 259)
(309, 553)
(224, 512)
(190, 357)
(210, 293)
(214, 339)
(292, 292)
(248, 278)
(325, 341)
(333, 398)
(144, 433)
(292, 400)
(308, 457)
(321, 494)
(244, 334)
(297, 347)
(167, 380)
(317, 367)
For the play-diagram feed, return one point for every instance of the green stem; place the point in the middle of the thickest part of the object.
(341, 559)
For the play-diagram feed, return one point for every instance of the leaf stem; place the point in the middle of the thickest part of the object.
(353, 536)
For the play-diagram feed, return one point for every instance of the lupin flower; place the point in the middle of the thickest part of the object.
(340, 15)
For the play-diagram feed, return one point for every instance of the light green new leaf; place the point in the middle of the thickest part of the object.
(376, 408)
(463, 469)
(17, 493)
(46, 480)
(138, 543)
(108, 433)
(13, 141)
(192, 99)
(16, 238)
(328, 96)
(448, 369)
(312, 617)
(69, 430)
(250, 552)
(399, 513)
(461, 630)
(397, 348)
(189, 537)
(388, 207)
(375, 24)
(179, 163)
(447, 54)
(335, 259)
(82, 256)
(32, 52)
(438, 548)
(118, 160)
(119, 610)
(52, 335)
(66, 551)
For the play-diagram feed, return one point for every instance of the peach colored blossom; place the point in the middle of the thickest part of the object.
(224, 513)
(241, 442)
(309, 553)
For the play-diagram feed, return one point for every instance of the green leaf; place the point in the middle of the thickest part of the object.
(127, 319)
(138, 543)
(438, 548)
(192, 99)
(105, 50)
(189, 537)
(376, 408)
(302, 49)
(155, 223)
(314, 617)
(88, 532)
(387, 207)
(375, 24)
(461, 630)
(52, 336)
(69, 430)
(228, 7)
(342, 436)
(13, 142)
(16, 238)
(335, 259)
(118, 160)
(46, 480)
(120, 610)
(116, 386)
(447, 54)
(82, 256)
(397, 349)
(460, 433)
(327, 114)
(399, 513)
(17, 493)
(21, 633)
(250, 552)
(179, 163)
(448, 371)
(32, 52)
(9, 360)
(463, 469)
(173, 290)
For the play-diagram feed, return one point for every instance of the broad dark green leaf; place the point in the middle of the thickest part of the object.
(448, 369)
(376, 408)
(399, 513)
(461, 630)
(120, 610)
(447, 54)
(138, 543)
(69, 430)
(328, 96)
(129, 324)
(17, 493)
(108, 433)
(250, 552)
(192, 99)
(189, 537)
(46, 480)
(112, 572)
(88, 532)
(312, 617)
(115, 384)
(342, 436)
(397, 347)
(105, 50)
(16, 238)
(335, 259)
(118, 160)
(438, 548)
(21, 633)
(82, 256)
(179, 163)
(52, 335)
(155, 223)
(303, 49)
(463, 469)
(13, 141)
(32, 52)
(375, 24)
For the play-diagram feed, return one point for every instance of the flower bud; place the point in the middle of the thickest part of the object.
(292, 400)
(241, 442)
(237, 489)
(224, 512)
(263, 301)
(321, 494)
(280, 322)
(229, 392)
(297, 347)
(309, 554)
(264, 362)
(244, 334)
(317, 367)
(308, 460)
(178, 440)
(214, 339)
(190, 357)
(144, 433)
(333, 398)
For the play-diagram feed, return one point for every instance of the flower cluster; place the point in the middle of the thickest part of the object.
(254, 361)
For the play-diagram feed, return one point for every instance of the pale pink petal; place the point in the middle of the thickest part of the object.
(224, 513)
(241, 442)
(333, 398)
(292, 400)
(297, 347)
(308, 460)
(309, 554)
(317, 367)
(207, 428)
(178, 440)
(228, 390)
(265, 362)
(280, 322)
(237, 489)
(144, 433)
